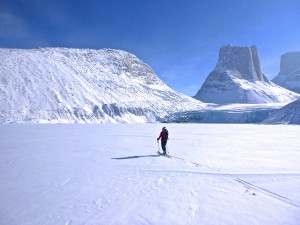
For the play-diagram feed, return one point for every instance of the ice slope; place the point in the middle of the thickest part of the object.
(289, 114)
(230, 113)
(82, 85)
(110, 174)
(238, 78)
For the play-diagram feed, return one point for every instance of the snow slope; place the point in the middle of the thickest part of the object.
(83, 85)
(110, 174)
(289, 114)
(237, 78)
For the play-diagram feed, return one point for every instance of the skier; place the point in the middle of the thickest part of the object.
(164, 136)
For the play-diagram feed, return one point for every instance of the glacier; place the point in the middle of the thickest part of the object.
(230, 113)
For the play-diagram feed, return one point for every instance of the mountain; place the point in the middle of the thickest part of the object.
(83, 85)
(289, 114)
(289, 75)
(238, 78)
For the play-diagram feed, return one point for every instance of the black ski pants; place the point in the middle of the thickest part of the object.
(163, 146)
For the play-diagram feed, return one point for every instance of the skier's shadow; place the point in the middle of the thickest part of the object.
(136, 157)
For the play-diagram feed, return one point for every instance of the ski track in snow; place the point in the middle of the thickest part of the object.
(108, 174)
(247, 184)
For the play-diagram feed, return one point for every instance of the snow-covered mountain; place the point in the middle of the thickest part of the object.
(83, 85)
(238, 78)
(289, 75)
(289, 114)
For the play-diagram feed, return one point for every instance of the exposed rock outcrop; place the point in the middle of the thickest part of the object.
(289, 75)
(244, 60)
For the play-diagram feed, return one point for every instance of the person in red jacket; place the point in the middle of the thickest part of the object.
(164, 136)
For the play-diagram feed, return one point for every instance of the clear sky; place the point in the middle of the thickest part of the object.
(179, 39)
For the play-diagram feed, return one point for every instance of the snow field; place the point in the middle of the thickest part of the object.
(111, 174)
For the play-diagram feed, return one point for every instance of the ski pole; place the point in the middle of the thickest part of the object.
(158, 146)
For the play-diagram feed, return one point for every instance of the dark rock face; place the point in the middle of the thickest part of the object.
(289, 75)
(244, 60)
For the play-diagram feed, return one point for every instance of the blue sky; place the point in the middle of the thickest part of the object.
(179, 39)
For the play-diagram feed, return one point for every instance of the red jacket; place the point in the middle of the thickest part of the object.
(161, 137)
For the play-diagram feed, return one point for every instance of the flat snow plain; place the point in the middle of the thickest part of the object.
(110, 174)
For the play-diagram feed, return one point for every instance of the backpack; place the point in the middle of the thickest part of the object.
(165, 135)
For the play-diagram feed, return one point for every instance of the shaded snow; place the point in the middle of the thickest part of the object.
(111, 174)
(289, 114)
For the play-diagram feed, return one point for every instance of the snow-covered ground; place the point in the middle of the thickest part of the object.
(111, 174)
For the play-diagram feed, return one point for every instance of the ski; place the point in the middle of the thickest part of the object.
(165, 155)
